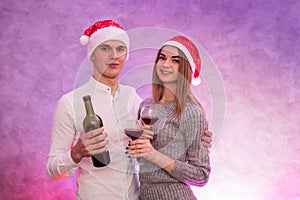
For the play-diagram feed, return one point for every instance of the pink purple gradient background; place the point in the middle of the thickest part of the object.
(255, 45)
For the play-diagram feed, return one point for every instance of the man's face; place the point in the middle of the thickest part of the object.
(108, 59)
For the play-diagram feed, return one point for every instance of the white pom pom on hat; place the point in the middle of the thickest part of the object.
(191, 52)
(102, 31)
(84, 40)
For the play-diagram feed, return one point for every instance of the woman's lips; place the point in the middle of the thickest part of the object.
(165, 72)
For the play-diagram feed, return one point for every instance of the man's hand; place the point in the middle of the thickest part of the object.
(207, 138)
(91, 143)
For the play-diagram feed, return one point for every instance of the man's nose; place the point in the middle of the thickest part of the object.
(113, 54)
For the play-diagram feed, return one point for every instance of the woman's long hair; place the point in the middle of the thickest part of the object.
(183, 90)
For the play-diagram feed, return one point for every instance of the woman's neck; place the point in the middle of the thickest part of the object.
(168, 95)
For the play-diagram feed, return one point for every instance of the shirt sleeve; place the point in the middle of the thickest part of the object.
(59, 162)
(196, 169)
(135, 101)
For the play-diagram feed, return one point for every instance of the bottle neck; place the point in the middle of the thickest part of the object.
(89, 108)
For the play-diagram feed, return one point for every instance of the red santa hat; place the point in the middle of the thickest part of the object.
(102, 31)
(191, 52)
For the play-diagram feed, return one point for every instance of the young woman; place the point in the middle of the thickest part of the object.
(176, 158)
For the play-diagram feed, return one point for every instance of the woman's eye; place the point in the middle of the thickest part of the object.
(161, 58)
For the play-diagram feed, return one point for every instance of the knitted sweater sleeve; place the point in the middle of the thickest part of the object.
(196, 168)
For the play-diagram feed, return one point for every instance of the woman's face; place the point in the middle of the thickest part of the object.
(168, 64)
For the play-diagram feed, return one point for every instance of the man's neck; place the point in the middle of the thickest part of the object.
(110, 82)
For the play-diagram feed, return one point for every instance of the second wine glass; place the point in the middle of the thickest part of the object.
(149, 114)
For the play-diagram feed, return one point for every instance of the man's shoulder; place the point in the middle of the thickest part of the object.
(129, 93)
(126, 88)
(75, 92)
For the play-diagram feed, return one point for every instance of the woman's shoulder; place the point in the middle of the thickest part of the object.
(193, 108)
(146, 101)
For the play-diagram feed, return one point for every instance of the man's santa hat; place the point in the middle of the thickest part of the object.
(192, 54)
(102, 31)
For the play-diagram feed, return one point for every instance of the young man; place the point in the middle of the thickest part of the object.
(117, 105)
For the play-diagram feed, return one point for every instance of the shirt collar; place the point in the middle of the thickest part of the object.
(102, 87)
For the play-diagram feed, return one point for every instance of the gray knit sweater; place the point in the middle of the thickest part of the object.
(180, 139)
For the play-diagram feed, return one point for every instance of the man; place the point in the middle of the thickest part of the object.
(117, 105)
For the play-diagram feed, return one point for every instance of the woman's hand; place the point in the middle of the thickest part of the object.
(141, 148)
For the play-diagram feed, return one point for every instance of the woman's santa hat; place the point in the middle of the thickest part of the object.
(102, 31)
(192, 54)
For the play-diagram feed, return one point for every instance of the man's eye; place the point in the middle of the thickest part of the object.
(175, 61)
(105, 48)
(121, 49)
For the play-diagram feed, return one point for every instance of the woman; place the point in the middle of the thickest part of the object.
(176, 158)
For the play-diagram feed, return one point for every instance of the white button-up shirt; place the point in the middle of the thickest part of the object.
(115, 181)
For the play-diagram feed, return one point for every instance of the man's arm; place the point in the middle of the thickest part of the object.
(63, 133)
(64, 157)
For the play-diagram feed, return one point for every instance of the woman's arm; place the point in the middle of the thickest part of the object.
(195, 168)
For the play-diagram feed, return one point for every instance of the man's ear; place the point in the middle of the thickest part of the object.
(92, 58)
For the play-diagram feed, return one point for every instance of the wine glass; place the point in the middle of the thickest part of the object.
(134, 133)
(149, 115)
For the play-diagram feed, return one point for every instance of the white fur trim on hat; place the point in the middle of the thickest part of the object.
(102, 35)
(195, 81)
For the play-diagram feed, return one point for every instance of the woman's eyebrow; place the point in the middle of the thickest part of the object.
(161, 54)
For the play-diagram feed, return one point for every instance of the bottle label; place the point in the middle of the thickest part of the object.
(92, 126)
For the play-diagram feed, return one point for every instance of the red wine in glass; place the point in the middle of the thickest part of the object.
(149, 120)
(133, 133)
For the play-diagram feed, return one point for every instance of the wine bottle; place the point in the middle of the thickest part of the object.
(91, 122)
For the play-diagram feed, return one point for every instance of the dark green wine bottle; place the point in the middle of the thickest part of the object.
(91, 122)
